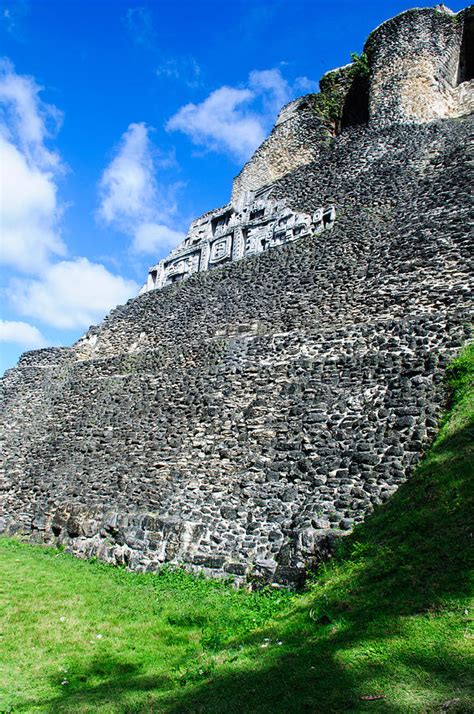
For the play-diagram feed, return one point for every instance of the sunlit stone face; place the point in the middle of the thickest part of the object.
(257, 224)
(220, 249)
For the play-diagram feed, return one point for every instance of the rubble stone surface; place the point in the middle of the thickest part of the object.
(239, 421)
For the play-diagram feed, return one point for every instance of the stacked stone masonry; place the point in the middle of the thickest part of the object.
(294, 142)
(416, 67)
(241, 420)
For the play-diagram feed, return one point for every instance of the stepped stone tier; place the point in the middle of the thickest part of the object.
(239, 421)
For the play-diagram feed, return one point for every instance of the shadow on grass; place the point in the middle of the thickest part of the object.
(101, 684)
(310, 678)
(354, 630)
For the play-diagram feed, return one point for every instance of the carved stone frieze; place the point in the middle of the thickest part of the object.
(258, 223)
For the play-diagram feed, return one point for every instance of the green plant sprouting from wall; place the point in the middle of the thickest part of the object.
(334, 86)
(360, 65)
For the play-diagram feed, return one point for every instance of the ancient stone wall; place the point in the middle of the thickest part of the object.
(294, 141)
(419, 68)
(415, 67)
(241, 420)
(415, 61)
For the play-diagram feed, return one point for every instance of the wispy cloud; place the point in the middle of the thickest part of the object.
(71, 294)
(181, 69)
(131, 197)
(12, 14)
(127, 185)
(272, 87)
(151, 237)
(304, 85)
(21, 333)
(29, 207)
(177, 68)
(235, 120)
(139, 23)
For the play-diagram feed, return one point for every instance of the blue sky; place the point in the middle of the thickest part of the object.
(120, 122)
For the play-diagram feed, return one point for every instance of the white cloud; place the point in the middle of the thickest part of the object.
(235, 120)
(306, 85)
(29, 209)
(28, 212)
(71, 294)
(26, 119)
(151, 237)
(274, 89)
(222, 121)
(127, 185)
(21, 333)
(132, 199)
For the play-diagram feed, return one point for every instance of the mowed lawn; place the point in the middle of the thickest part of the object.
(386, 626)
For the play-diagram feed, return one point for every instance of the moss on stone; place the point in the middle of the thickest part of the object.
(334, 86)
(330, 101)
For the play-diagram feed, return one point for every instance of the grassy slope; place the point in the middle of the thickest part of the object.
(389, 616)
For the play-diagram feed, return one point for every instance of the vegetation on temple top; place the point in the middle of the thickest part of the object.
(334, 85)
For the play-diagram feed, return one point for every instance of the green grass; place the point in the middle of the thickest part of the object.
(390, 616)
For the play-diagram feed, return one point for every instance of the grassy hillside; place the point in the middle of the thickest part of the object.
(385, 627)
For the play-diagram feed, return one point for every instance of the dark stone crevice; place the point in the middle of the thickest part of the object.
(356, 105)
(466, 58)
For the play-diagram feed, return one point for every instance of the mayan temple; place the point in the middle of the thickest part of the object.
(280, 372)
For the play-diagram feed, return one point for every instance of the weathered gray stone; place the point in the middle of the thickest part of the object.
(241, 421)
(253, 224)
